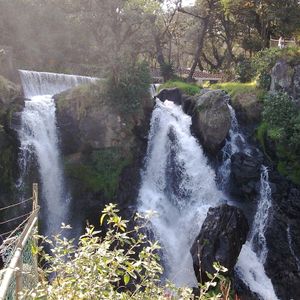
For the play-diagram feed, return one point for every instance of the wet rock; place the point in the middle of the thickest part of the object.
(222, 235)
(245, 174)
(283, 239)
(173, 95)
(211, 120)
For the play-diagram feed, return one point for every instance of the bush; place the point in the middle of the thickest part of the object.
(100, 171)
(281, 124)
(167, 71)
(186, 88)
(279, 113)
(128, 87)
(244, 70)
(121, 265)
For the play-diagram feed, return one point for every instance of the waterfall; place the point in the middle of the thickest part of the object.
(234, 143)
(39, 138)
(44, 83)
(179, 186)
(262, 216)
(250, 265)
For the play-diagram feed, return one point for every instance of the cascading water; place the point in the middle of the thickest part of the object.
(250, 265)
(44, 83)
(38, 136)
(234, 143)
(178, 184)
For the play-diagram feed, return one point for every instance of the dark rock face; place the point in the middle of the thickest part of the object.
(11, 105)
(211, 120)
(189, 104)
(173, 95)
(245, 175)
(102, 149)
(222, 235)
(283, 239)
(281, 77)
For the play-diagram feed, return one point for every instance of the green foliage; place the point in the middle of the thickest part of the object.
(264, 61)
(123, 265)
(244, 70)
(100, 172)
(281, 124)
(279, 113)
(186, 88)
(128, 86)
(167, 71)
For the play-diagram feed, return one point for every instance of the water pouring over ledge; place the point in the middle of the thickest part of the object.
(39, 138)
(179, 185)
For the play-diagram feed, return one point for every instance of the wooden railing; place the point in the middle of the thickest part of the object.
(15, 276)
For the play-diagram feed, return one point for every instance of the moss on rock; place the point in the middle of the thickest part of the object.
(100, 170)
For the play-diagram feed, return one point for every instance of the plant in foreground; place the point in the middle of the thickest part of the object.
(123, 264)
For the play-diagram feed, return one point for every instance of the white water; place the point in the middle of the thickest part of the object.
(38, 136)
(44, 83)
(234, 143)
(250, 264)
(179, 185)
(262, 217)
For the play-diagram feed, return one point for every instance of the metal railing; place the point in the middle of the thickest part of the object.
(20, 261)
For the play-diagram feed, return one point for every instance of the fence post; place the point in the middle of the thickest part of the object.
(35, 195)
(19, 277)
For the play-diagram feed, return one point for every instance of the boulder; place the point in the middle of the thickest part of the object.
(221, 238)
(248, 108)
(189, 104)
(173, 95)
(281, 77)
(211, 120)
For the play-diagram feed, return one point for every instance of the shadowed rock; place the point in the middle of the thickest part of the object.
(221, 238)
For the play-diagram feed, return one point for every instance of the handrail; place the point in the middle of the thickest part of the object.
(15, 264)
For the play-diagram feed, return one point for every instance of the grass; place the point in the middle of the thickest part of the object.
(237, 88)
(187, 88)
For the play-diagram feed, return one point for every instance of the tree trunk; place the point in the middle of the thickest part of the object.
(200, 42)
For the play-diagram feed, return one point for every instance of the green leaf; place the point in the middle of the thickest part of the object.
(102, 218)
(126, 278)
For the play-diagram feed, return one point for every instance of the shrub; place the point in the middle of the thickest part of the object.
(186, 88)
(244, 70)
(128, 87)
(167, 71)
(279, 113)
(100, 171)
(121, 265)
(281, 124)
